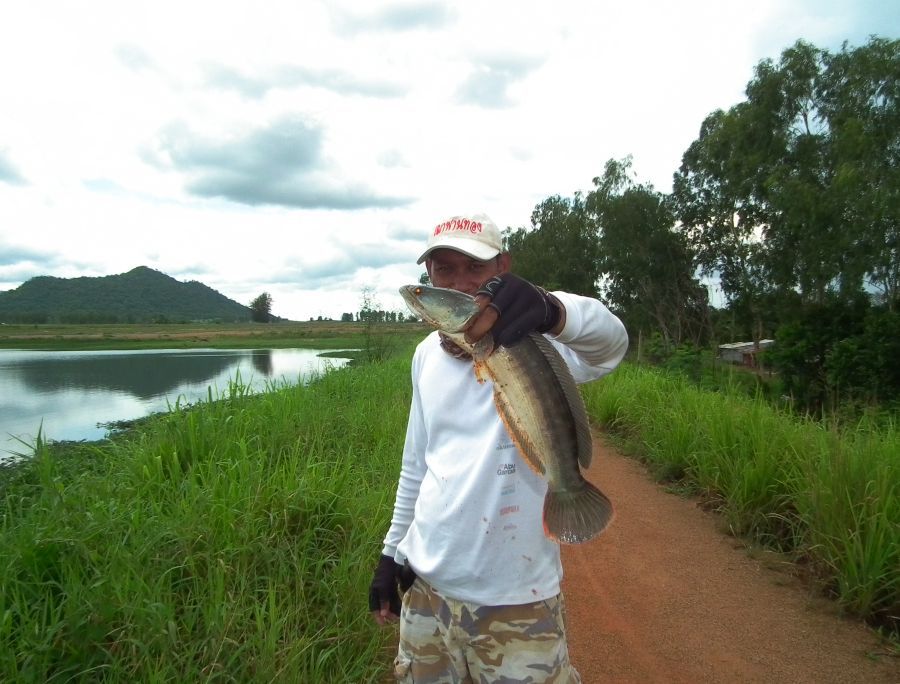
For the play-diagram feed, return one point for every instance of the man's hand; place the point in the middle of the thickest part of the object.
(384, 599)
(512, 308)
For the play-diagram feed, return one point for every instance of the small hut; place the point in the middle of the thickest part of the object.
(743, 353)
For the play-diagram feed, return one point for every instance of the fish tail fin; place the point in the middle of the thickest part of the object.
(575, 517)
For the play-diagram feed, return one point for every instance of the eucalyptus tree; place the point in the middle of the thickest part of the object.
(647, 266)
(718, 197)
(560, 250)
(859, 93)
(806, 243)
(795, 189)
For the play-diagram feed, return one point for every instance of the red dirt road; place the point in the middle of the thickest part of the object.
(666, 596)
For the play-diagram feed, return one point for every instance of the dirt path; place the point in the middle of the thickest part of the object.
(665, 596)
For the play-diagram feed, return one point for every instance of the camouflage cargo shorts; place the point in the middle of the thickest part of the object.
(443, 640)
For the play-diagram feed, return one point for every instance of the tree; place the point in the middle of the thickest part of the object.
(261, 308)
(647, 266)
(859, 93)
(560, 250)
(717, 206)
(804, 345)
(808, 246)
(797, 189)
(864, 366)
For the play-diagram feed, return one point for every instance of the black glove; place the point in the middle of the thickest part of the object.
(384, 585)
(406, 577)
(522, 307)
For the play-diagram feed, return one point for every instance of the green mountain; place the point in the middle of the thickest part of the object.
(139, 296)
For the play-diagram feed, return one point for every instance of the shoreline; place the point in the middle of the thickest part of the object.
(310, 335)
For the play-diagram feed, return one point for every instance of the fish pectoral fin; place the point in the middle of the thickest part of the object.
(481, 372)
(480, 352)
(483, 348)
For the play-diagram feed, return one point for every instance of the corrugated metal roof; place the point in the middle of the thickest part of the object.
(746, 345)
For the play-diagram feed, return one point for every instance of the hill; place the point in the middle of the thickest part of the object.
(141, 295)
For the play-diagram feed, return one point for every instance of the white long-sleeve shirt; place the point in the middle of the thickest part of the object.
(467, 515)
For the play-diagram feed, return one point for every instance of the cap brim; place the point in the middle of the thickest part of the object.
(472, 248)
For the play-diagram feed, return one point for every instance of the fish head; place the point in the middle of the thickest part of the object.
(448, 310)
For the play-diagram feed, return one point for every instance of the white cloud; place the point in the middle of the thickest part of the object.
(305, 147)
(8, 171)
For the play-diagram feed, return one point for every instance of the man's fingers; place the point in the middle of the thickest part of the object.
(385, 615)
(483, 322)
(384, 619)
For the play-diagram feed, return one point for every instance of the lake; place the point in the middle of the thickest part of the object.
(68, 394)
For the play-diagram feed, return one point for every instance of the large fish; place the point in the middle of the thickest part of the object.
(540, 405)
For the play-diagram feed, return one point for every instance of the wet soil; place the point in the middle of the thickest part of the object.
(666, 595)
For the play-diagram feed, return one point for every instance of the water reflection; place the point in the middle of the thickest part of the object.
(143, 375)
(67, 394)
(262, 360)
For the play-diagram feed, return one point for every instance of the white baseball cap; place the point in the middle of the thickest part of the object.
(474, 235)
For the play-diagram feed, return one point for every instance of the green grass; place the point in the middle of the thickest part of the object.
(230, 542)
(234, 540)
(827, 494)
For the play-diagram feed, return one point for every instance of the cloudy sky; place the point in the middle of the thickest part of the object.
(305, 148)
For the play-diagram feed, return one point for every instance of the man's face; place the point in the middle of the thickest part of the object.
(456, 271)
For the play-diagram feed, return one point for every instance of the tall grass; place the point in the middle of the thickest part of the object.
(233, 541)
(826, 493)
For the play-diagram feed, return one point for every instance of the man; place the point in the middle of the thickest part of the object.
(485, 603)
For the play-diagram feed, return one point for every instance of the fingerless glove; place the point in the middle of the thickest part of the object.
(384, 585)
(522, 307)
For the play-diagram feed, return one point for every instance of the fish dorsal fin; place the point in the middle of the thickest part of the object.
(572, 395)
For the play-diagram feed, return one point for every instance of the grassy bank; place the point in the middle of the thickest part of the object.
(827, 495)
(231, 542)
(235, 541)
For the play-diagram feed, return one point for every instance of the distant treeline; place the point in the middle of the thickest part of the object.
(377, 316)
(141, 295)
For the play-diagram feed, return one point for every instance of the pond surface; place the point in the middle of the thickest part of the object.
(69, 395)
